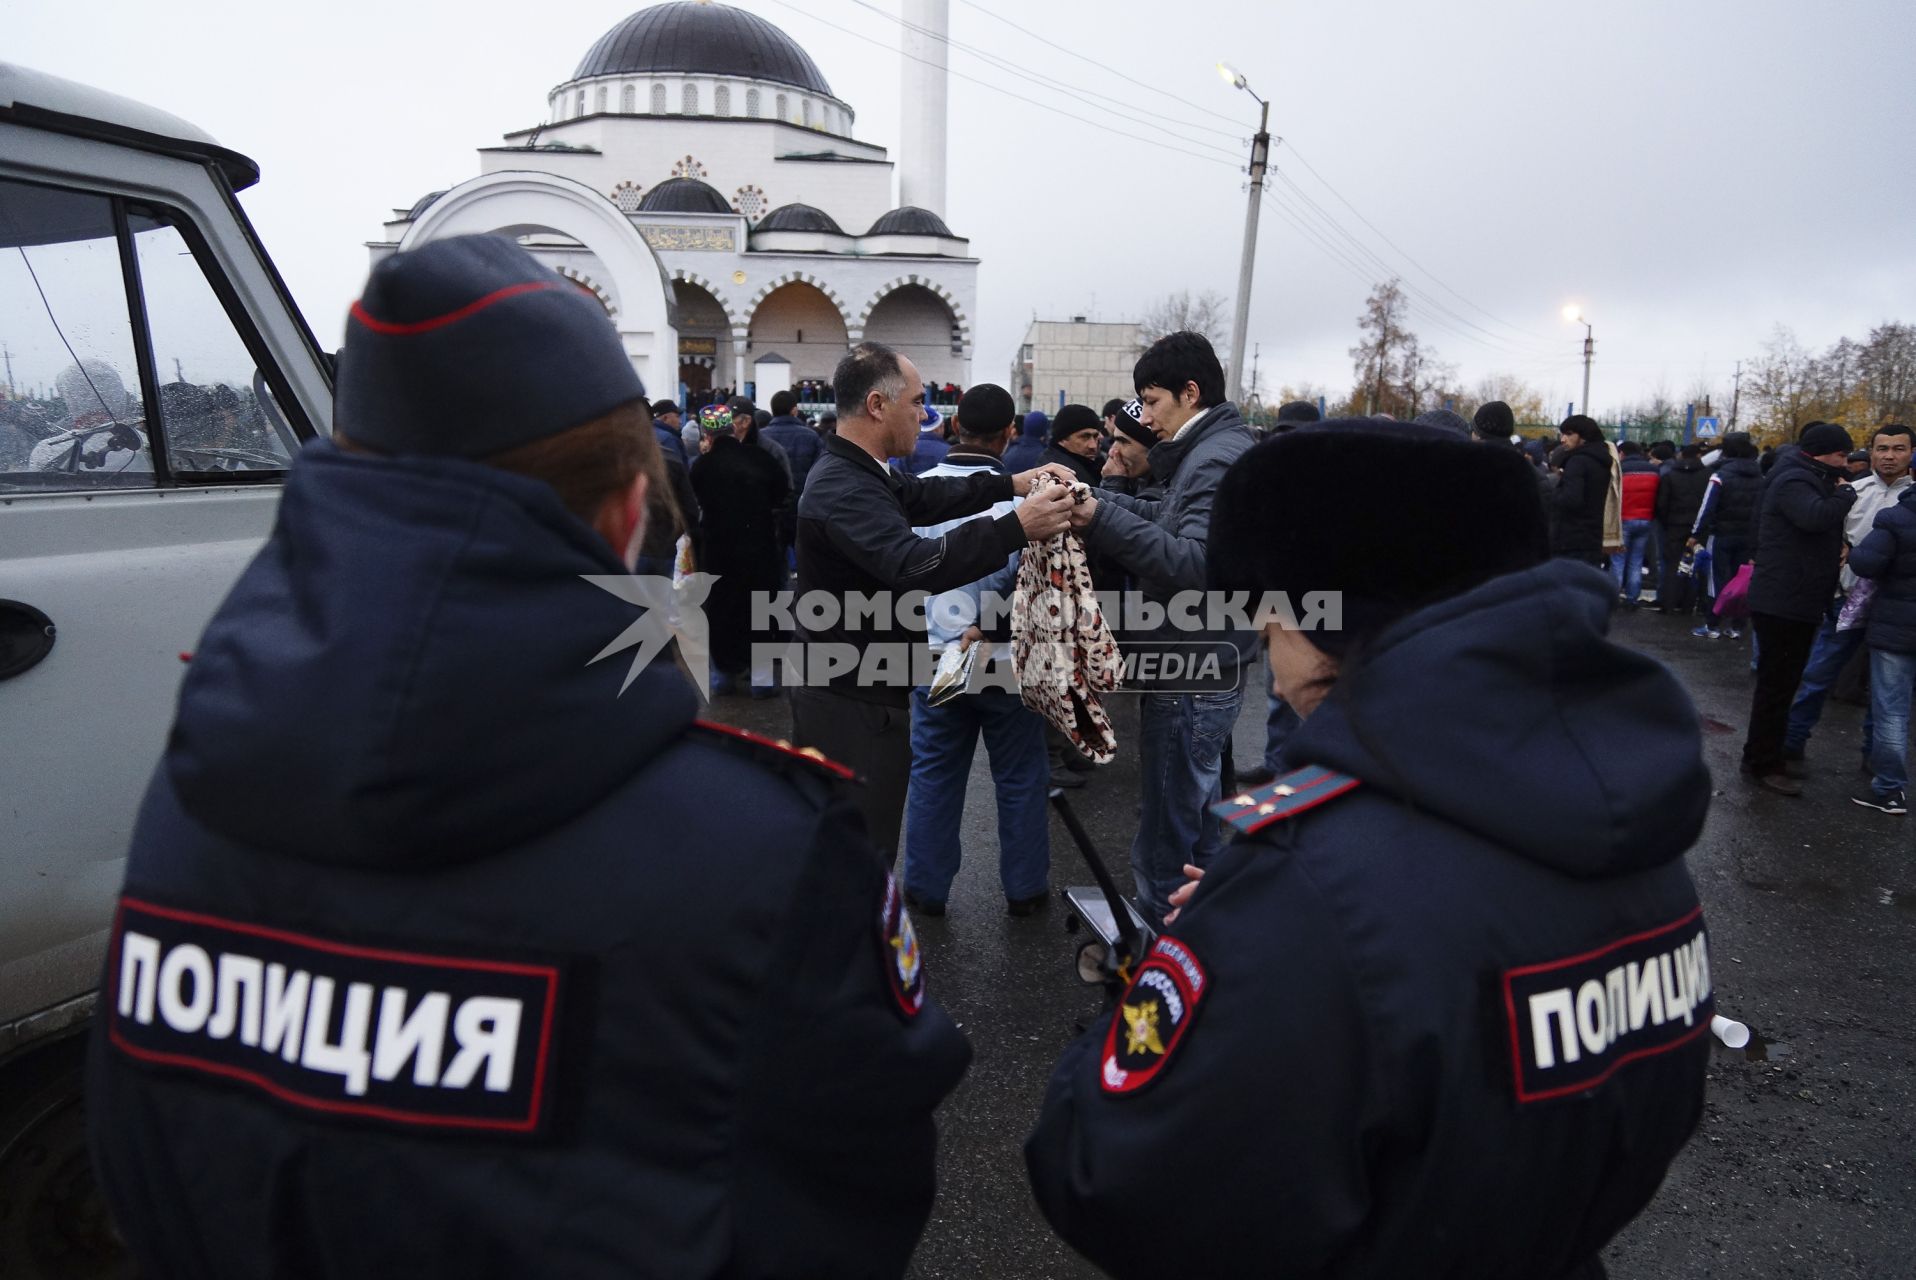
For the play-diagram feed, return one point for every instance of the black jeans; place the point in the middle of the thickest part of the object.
(1782, 651)
(873, 740)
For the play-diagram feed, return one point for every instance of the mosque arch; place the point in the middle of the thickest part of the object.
(800, 317)
(961, 323)
(636, 292)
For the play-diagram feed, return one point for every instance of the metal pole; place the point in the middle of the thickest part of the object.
(1589, 349)
(1260, 155)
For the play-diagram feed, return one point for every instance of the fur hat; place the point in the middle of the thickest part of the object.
(468, 346)
(1280, 524)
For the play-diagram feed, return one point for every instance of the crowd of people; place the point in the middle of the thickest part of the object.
(432, 917)
(1811, 541)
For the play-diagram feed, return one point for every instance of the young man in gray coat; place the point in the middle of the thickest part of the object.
(1161, 544)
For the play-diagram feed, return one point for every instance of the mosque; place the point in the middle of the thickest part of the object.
(699, 177)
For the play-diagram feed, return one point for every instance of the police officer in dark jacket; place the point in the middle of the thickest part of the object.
(443, 953)
(1581, 492)
(1442, 1009)
(855, 535)
(1799, 551)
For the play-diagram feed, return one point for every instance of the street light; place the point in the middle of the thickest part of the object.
(1574, 314)
(1260, 156)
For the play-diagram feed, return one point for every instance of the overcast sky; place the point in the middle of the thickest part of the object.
(1692, 172)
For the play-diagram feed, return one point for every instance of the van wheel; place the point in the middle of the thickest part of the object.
(53, 1220)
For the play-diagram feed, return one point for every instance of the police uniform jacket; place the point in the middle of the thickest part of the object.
(1443, 1010)
(442, 953)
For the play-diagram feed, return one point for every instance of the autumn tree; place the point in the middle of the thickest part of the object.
(1207, 313)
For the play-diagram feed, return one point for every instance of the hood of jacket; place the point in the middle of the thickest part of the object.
(1509, 712)
(1687, 464)
(1798, 461)
(405, 675)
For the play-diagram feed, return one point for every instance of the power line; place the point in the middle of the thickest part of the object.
(1102, 66)
(1120, 106)
(1045, 106)
(1311, 169)
(1489, 338)
(1357, 269)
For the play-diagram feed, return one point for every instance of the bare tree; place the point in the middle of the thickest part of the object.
(1207, 313)
(1887, 367)
(1526, 403)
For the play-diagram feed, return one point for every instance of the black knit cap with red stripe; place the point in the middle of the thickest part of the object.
(467, 346)
(1434, 516)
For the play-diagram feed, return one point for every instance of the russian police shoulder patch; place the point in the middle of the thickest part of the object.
(775, 751)
(1288, 796)
(900, 953)
(395, 1036)
(1574, 1023)
(1153, 1018)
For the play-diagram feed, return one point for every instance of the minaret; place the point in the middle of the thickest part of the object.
(921, 144)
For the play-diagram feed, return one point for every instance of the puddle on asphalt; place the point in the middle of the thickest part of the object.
(1761, 1050)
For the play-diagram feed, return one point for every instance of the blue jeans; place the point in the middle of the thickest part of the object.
(942, 740)
(1181, 739)
(1891, 676)
(1832, 653)
(1626, 566)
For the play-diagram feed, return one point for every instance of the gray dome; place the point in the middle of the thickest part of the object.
(798, 217)
(911, 221)
(425, 203)
(709, 39)
(683, 195)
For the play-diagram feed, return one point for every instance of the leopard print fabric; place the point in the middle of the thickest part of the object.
(1060, 646)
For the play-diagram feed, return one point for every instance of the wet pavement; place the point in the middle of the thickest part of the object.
(1805, 1163)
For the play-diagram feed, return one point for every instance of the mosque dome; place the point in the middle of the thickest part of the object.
(704, 38)
(684, 195)
(911, 221)
(798, 217)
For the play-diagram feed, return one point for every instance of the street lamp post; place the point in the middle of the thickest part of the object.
(1260, 157)
(1574, 314)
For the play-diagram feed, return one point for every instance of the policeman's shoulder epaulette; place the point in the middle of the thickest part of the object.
(774, 751)
(1287, 797)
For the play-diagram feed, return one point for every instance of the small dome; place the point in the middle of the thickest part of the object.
(425, 203)
(798, 217)
(683, 195)
(911, 221)
(703, 38)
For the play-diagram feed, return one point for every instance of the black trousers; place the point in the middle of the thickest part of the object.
(873, 740)
(1783, 650)
(1675, 592)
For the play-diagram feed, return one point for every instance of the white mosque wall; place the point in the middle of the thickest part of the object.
(730, 156)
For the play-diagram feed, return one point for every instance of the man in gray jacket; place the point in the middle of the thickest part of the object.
(1161, 544)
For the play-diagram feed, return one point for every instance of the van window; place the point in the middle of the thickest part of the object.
(71, 415)
(216, 411)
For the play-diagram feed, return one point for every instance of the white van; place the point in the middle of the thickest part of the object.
(155, 381)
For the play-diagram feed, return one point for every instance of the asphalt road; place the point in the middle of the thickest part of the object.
(1805, 1164)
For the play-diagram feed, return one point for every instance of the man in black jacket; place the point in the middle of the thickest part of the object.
(855, 537)
(1799, 551)
(1577, 533)
(1679, 498)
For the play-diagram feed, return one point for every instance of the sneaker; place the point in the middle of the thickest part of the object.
(1733, 633)
(1065, 778)
(923, 906)
(1891, 803)
(1706, 632)
(1796, 768)
(1022, 907)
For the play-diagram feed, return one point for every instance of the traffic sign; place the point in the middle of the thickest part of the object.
(1709, 426)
